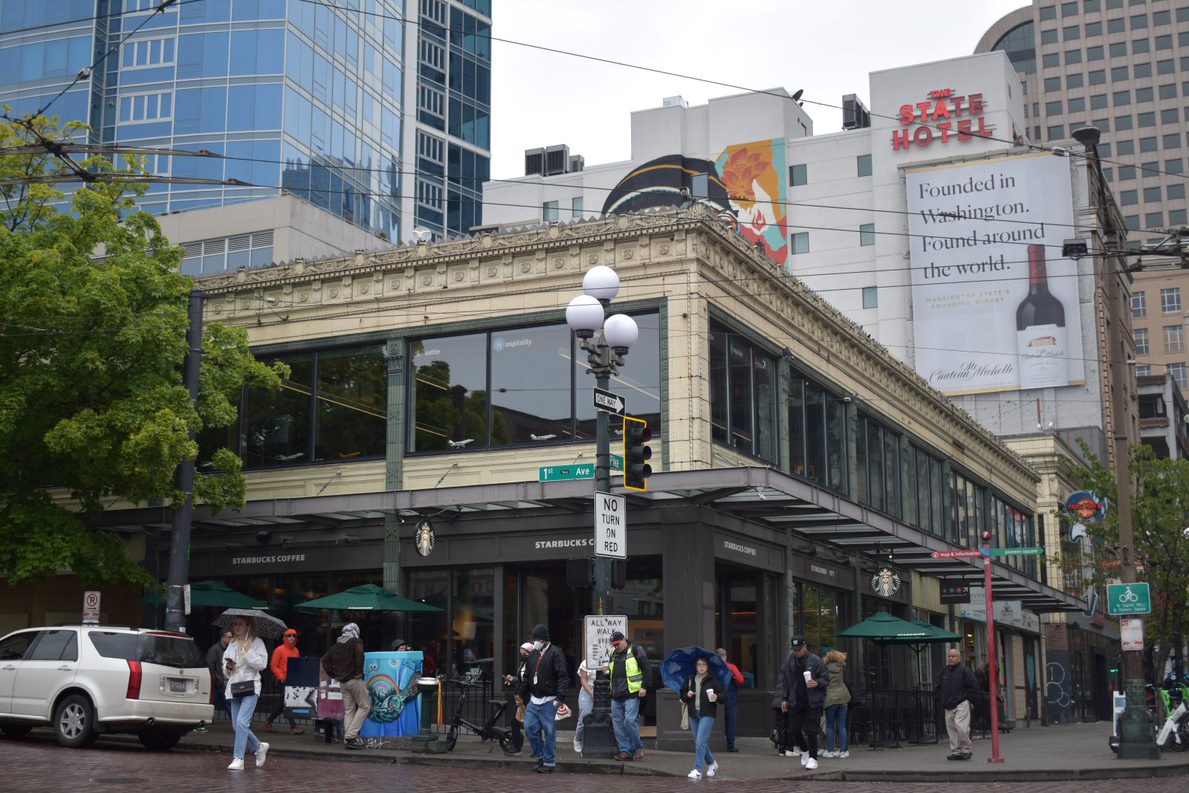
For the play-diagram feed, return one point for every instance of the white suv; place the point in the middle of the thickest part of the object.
(88, 679)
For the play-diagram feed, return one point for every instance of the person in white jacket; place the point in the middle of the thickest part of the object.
(243, 659)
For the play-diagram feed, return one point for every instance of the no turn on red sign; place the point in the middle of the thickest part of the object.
(611, 526)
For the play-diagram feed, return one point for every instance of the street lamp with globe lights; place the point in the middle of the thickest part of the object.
(606, 341)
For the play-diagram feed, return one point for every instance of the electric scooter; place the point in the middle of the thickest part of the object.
(1175, 732)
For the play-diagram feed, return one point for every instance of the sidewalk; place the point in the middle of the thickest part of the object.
(1062, 752)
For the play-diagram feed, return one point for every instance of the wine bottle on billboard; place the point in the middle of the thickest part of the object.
(1040, 329)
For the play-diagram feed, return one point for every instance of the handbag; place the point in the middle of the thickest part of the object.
(684, 716)
(243, 688)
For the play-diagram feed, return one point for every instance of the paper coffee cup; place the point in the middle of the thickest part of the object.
(808, 676)
(710, 695)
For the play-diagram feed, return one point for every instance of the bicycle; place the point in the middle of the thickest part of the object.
(488, 730)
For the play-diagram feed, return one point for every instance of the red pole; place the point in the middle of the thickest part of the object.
(993, 669)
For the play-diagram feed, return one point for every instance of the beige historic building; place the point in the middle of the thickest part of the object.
(435, 392)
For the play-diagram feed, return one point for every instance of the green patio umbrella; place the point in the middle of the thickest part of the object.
(884, 628)
(215, 594)
(365, 597)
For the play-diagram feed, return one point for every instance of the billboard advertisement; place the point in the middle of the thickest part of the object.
(994, 304)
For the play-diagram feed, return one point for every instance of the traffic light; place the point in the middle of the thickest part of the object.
(636, 453)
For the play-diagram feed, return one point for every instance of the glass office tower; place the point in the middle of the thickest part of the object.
(306, 96)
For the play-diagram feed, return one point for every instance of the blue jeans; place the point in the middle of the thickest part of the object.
(241, 716)
(625, 718)
(836, 713)
(701, 727)
(585, 706)
(540, 722)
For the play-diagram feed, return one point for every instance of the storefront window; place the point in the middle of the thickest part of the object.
(818, 613)
(472, 619)
(817, 434)
(428, 629)
(739, 607)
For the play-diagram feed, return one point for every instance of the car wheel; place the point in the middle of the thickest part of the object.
(16, 731)
(159, 740)
(74, 722)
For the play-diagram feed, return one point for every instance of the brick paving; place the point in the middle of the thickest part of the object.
(39, 765)
(1056, 759)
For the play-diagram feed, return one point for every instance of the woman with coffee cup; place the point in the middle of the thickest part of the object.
(700, 694)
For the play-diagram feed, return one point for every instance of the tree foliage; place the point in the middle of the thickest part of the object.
(1159, 516)
(93, 318)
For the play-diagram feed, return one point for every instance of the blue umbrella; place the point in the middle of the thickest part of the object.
(678, 667)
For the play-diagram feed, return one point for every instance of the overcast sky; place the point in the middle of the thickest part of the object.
(542, 98)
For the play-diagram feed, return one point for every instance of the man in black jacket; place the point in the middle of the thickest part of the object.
(804, 680)
(956, 688)
(543, 687)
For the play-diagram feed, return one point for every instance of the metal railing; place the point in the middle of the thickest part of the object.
(888, 718)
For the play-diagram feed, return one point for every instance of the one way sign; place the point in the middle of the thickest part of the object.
(612, 403)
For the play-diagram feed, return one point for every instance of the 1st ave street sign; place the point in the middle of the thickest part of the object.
(612, 403)
(561, 473)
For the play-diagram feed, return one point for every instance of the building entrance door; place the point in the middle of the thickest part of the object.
(538, 594)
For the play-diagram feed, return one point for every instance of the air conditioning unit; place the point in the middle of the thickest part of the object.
(556, 159)
(855, 114)
(534, 162)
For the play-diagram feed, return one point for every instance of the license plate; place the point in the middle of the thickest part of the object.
(177, 686)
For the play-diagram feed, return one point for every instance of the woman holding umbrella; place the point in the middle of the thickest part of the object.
(700, 694)
(243, 659)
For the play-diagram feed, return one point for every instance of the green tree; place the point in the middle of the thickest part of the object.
(1159, 515)
(93, 318)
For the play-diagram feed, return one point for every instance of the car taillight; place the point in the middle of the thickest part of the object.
(133, 680)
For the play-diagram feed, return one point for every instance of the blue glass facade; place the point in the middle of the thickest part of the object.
(301, 95)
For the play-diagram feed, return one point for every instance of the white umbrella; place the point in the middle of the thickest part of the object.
(265, 625)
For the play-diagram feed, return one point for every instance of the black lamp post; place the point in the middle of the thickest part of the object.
(606, 342)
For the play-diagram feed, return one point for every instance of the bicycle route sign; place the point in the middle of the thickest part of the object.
(1128, 599)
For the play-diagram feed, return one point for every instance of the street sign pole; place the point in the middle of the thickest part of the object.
(993, 652)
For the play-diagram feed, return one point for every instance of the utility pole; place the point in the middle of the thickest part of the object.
(179, 540)
(1137, 727)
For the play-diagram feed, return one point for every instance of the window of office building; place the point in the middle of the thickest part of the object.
(1125, 147)
(817, 434)
(1119, 74)
(1164, 42)
(1141, 341)
(1174, 338)
(1074, 80)
(877, 465)
(1097, 77)
(515, 386)
(1128, 197)
(331, 408)
(1143, 93)
(1178, 372)
(1176, 192)
(1152, 194)
(1142, 70)
(1121, 98)
(1077, 104)
(1051, 60)
(1153, 220)
(227, 254)
(924, 497)
(742, 394)
(1178, 217)
(1094, 53)
(1143, 370)
(549, 211)
(1071, 33)
(576, 207)
(1098, 101)
(968, 513)
(867, 234)
(863, 162)
(1175, 165)
(1141, 47)
(798, 175)
(870, 297)
(1170, 300)
(800, 242)
(1052, 84)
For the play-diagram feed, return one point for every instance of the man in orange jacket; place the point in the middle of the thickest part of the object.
(280, 669)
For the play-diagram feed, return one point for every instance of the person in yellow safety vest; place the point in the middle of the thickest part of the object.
(629, 670)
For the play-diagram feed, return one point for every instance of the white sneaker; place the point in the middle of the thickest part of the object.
(695, 774)
(828, 753)
(843, 754)
(712, 770)
(236, 765)
(792, 752)
(804, 759)
(811, 764)
(261, 754)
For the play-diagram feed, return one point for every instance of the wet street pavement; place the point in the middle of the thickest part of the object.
(34, 766)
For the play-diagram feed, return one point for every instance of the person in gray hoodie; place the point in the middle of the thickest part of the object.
(804, 679)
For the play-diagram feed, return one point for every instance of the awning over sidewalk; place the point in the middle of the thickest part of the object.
(812, 515)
